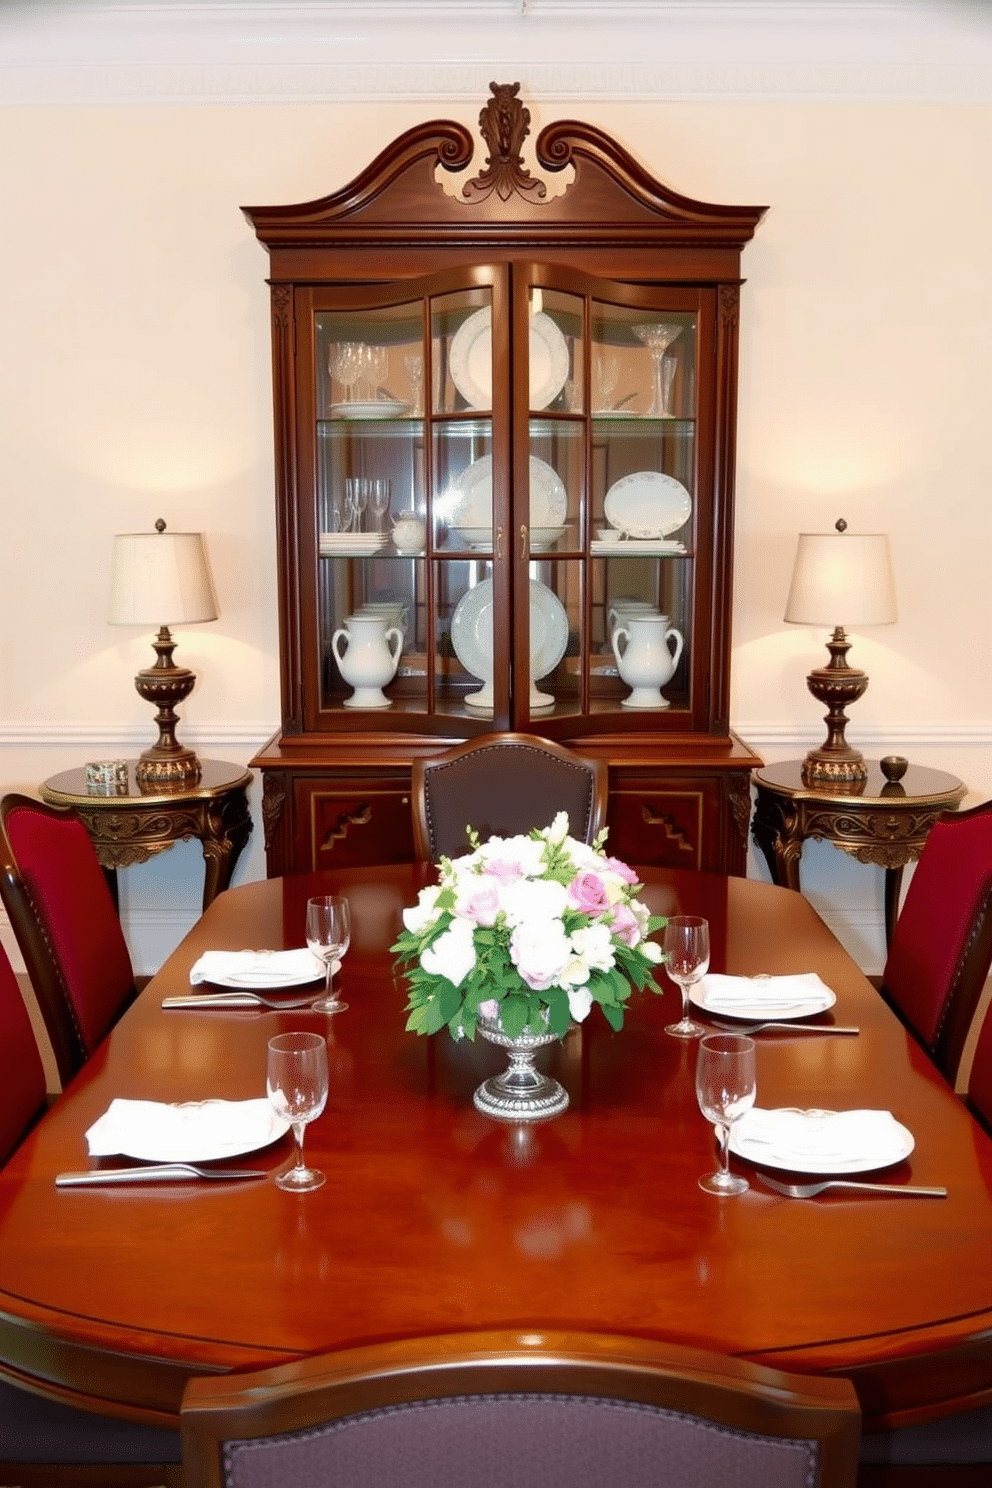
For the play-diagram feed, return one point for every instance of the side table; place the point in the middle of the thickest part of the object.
(885, 822)
(132, 825)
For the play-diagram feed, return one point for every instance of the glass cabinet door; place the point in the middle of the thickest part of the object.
(614, 523)
(504, 538)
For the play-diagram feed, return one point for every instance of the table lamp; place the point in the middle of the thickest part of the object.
(839, 576)
(162, 578)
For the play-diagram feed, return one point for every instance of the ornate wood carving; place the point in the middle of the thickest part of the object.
(343, 824)
(504, 124)
(273, 800)
(673, 831)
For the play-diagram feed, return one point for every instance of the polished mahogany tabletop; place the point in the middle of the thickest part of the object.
(436, 1219)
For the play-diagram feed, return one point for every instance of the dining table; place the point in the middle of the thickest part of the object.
(437, 1219)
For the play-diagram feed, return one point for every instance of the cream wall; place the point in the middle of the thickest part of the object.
(135, 383)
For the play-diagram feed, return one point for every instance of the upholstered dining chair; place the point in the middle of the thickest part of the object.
(63, 917)
(942, 943)
(45, 1441)
(504, 784)
(483, 1410)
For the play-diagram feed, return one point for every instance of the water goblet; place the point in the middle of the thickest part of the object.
(687, 960)
(607, 377)
(657, 339)
(356, 495)
(725, 1090)
(378, 370)
(296, 1084)
(328, 936)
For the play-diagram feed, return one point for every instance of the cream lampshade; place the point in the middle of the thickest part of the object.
(838, 579)
(162, 578)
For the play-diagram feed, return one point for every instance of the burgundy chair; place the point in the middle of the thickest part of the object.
(484, 1410)
(942, 944)
(979, 1093)
(46, 1441)
(504, 784)
(66, 925)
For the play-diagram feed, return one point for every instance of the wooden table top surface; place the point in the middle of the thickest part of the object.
(435, 1219)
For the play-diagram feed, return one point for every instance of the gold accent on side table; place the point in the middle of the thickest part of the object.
(132, 826)
(878, 820)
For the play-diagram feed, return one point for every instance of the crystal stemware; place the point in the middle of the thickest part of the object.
(725, 1090)
(379, 496)
(657, 339)
(345, 365)
(296, 1084)
(607, 377)
(328, 936)
(414, 365)
(687, 959)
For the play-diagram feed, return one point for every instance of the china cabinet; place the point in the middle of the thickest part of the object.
(504, 424)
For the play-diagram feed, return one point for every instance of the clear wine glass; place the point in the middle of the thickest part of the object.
(296, 1084)
(379, 496)
(356, 495)
(725, 1090)
(657, 339)
(329, 936)
(378, 371)
(607, 377)
(345, 365)
(687, 960)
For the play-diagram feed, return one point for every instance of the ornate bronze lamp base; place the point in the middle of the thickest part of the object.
(836, 763)
(167, 763)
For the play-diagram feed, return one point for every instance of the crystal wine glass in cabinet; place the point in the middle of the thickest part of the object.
(504, 443)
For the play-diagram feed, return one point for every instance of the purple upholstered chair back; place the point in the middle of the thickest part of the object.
(942, 944)
(63, 915)
(488, 1412)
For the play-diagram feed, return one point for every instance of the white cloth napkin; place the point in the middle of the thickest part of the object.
(728, 993)
(788, 1138)
(194, 1131)
(258, 968)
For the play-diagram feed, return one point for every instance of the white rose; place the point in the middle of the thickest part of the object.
(558, 830)
(593, 946)
(540, 951)
(539, 900)
(651, 951)
(418, 916)
(452, 955)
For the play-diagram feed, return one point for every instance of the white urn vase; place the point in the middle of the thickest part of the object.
(647, 649)
(369, 659)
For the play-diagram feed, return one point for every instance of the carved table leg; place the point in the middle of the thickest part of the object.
(773, 832)
(224, 838)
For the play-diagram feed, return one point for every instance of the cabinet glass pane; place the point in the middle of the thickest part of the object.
(366, 361)
(555, 354)
(461, 351)
(464, 637)
(462, 465)
(557, 484)
(634, 669)
(643, 362)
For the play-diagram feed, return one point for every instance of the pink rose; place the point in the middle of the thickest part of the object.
(506, 872)
(624, 925)
(621, 870)
(481, 904)
(587, 892)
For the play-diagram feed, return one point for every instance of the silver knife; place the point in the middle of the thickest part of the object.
(214, 999)
(153, 1173)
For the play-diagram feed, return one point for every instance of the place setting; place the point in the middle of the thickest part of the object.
(277, 980)
(763, 1003)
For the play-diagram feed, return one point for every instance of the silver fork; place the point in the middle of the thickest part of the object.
(797, 1028)
(810, 1190)
(239, 1000)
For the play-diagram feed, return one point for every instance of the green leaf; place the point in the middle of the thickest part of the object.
(559, 1015)
(449, 999)
(613, 1016)
(514, 1013)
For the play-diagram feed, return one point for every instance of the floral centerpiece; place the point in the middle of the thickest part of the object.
(523, 935)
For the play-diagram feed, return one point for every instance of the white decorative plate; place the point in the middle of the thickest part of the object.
(471, 360)
(828, 1142)
(472, 636)
(468, 501)
(648, 504)
(379, 408)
